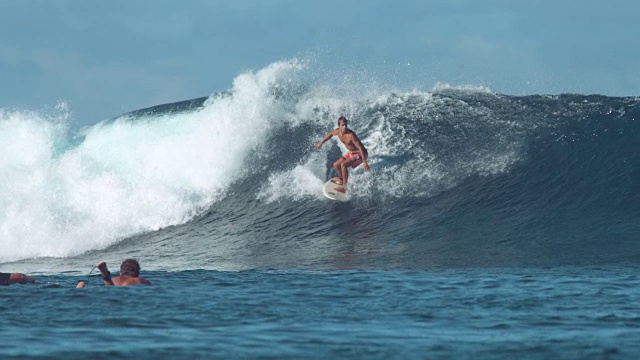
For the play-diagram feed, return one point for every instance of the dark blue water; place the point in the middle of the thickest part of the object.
(490, 226)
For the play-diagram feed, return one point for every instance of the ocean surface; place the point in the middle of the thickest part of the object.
(490, 226)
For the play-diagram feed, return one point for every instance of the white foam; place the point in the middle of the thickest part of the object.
(467, 88)
(127, 176)
(297, 184)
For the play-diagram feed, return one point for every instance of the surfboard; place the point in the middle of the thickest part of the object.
(332, 194)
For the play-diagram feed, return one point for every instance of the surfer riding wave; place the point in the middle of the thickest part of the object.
(357, 153)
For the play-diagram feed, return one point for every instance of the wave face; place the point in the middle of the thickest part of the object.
(459, 177)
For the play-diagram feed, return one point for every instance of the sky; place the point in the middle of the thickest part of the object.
(105, 58)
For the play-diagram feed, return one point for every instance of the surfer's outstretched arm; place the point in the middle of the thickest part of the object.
(326, 138)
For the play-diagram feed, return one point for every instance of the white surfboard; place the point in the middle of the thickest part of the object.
(330, 192)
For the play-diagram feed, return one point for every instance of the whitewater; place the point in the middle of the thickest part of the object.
(489, 226)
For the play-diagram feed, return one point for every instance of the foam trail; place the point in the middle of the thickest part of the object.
(303, 181)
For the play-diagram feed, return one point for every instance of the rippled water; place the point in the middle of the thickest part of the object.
(562, 313)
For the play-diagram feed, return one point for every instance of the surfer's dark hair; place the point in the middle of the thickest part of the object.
(342, 118)
(130, 267)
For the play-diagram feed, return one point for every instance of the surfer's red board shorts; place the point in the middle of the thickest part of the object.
(355, 156)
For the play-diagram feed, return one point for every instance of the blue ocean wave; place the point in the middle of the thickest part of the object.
(459, 177)
(478, 179)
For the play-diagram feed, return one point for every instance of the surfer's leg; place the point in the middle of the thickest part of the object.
(345, 174)
(338, 167)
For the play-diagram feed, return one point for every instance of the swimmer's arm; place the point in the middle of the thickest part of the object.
(106, 275)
